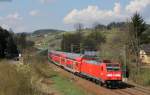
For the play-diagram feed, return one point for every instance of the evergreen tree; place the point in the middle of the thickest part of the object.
(93, 40)
(137, 27)
(7, 44)
(11, 48)
(3, 40)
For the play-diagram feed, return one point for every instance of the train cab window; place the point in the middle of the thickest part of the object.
(113, 67)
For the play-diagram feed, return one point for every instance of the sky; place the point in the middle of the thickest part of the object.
(31, 15)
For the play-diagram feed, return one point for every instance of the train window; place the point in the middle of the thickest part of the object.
(76, 63)
(101, 68)
(63, 60)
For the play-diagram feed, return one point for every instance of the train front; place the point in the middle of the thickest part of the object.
(113, 77)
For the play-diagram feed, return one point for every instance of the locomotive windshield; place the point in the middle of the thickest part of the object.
(113, 67)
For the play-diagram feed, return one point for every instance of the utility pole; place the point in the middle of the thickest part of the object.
(72, 48)
(125, 64)
(81, 48)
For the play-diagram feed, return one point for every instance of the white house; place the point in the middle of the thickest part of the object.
(145, 54)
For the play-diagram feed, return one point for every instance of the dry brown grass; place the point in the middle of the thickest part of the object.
(15, 79)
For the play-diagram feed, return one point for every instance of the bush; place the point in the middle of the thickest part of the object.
(142, 77)
(15, 80)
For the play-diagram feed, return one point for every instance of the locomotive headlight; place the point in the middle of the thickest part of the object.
(109, 75)
(117, 75)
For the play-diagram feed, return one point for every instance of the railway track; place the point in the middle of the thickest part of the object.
(130, 91)
(98, 90)
(143, 90)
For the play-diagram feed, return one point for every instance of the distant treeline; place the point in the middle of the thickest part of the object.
(88, 39)
(12, 44)
(79, 41)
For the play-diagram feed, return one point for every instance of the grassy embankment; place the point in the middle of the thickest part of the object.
(62, 84)
(142, 78)
(35, 77)
(15, 79)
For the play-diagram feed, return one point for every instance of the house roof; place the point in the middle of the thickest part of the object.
(146, 48)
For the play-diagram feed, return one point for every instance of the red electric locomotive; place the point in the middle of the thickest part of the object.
(104, 72)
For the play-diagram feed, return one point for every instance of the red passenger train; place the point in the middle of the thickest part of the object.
(106, 73)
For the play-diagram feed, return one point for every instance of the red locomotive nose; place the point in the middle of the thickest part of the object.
(113, 72)
(114, 76)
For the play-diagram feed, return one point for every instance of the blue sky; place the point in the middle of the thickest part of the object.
(30, 15)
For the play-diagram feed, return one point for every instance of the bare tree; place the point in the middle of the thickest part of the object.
(79, 27)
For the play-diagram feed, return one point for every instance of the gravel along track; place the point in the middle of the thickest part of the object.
(130, 91)
(97, 89)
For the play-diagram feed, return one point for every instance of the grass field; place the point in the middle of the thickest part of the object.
(143, 77)
(67, 87)
(27, 79)
(60, 83)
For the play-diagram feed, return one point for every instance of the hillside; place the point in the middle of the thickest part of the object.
(46, 37)
(51, 38)
(46, 31)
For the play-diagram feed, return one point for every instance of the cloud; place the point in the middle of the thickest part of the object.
(16, 28)
(1, 18)
(5, 26)
(21, 29)
(14, 16)
(93, 14)
(137, 5)
(34, 13)
(117, 8)
(14, 21)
